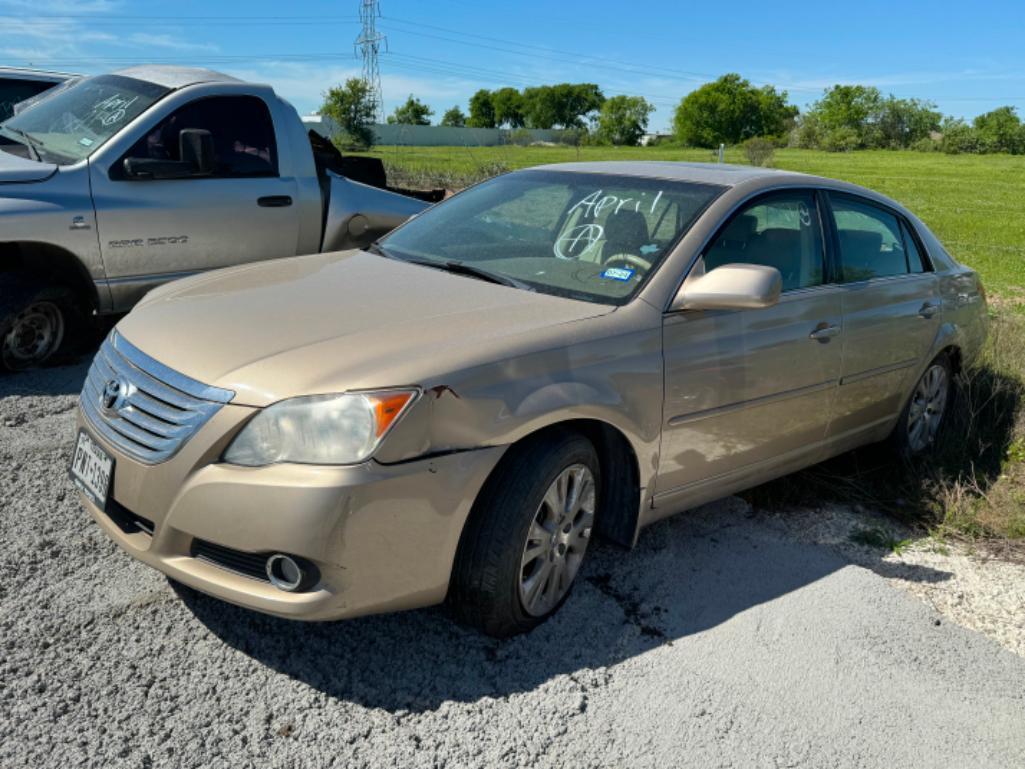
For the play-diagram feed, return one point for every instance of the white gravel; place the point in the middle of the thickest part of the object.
(727, 638)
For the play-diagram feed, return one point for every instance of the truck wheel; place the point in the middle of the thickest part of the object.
(34, 319)
(527, 536)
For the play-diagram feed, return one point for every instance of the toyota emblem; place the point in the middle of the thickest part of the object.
(112, 397)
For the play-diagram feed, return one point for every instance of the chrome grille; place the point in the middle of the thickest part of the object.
(141, 406)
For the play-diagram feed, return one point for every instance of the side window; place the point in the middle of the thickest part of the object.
(780, 231)
(871, 242)
(241, 127)
(916, 263)
(14, 91)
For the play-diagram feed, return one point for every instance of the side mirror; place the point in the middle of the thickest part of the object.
(196, 150)
(196, 147)
(730, 287)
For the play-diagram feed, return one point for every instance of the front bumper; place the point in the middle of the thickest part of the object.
(382, 537)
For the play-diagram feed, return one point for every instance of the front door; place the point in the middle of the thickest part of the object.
(152, 230)
(748, 391)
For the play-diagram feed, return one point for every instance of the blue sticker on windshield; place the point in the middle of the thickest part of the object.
(618, 273)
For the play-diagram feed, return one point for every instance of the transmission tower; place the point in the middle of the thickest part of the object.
(369, 45)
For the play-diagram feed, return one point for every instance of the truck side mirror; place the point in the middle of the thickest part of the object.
(197, 148)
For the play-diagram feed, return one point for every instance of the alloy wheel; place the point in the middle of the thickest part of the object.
(557, 540)
(928, 403)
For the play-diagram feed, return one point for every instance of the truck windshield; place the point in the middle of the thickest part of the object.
(74, 122)
(595, 237)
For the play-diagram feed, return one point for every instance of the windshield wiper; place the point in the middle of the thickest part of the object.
(30, 141)
(462, 268)
(456, 268)
(378, 250)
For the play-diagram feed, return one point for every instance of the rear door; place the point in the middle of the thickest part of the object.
(152, 230)
(891, 309)
(748, 392)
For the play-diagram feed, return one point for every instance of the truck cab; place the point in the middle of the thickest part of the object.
(122, 182)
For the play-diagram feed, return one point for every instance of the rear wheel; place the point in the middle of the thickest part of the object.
(923, 416)
(34, 321)
(527, 536)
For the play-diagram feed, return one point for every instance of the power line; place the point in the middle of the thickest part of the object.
(411, 62)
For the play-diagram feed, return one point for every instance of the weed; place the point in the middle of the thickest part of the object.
(877, 537)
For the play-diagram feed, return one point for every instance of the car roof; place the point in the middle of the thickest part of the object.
(170, 76)
(41, 75)
(723, 174)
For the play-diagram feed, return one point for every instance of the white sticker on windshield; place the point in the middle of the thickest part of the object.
(618, 273)
(85, 141)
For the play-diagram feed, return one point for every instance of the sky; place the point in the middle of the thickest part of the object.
(967, 58)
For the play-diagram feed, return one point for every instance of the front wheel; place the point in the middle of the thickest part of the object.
(527, 536)
(923, 416)
(34, 321)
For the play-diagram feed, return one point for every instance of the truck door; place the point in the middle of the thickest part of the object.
(154, 230)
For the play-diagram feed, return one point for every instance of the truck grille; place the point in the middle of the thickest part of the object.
(141, 406)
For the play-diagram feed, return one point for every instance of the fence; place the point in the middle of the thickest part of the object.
(437, 135)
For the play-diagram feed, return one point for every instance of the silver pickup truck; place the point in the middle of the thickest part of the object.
(121, 182)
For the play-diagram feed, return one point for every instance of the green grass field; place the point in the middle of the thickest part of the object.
(974, 203)
(974, 486)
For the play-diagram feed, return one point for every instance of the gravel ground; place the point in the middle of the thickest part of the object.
(729, 637)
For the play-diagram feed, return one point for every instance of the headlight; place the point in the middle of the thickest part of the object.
(319, 429)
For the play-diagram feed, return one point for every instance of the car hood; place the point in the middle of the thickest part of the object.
(15, 170)
(332, 322)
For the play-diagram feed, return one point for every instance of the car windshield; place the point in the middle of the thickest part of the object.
(595, 237)
(74, 122)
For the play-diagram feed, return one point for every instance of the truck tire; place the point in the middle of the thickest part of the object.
(34, 321)
(527, 535)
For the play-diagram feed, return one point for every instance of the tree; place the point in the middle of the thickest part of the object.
(959, 137)
(844, 109)
(623, 120)
(413, 112)
(730, 110)
(351, 107)
(539, 109)
(508, 105)
(482, 110)
(567, 105)
(899, 123)
(454, 117)
(1000, 131)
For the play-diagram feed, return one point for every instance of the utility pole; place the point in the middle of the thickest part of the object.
(369, 45)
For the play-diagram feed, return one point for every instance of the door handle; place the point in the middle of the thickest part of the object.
(274, 201)
(929, 309)
(824, 332)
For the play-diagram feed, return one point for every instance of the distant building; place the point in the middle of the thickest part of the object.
(653, 138)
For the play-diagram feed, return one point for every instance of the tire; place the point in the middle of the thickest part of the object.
(498, 586)
(925, 412)
(36, 321)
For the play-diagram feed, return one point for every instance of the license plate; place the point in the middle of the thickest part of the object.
(91, 469)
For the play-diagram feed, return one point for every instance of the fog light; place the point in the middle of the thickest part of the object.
(284, 573)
